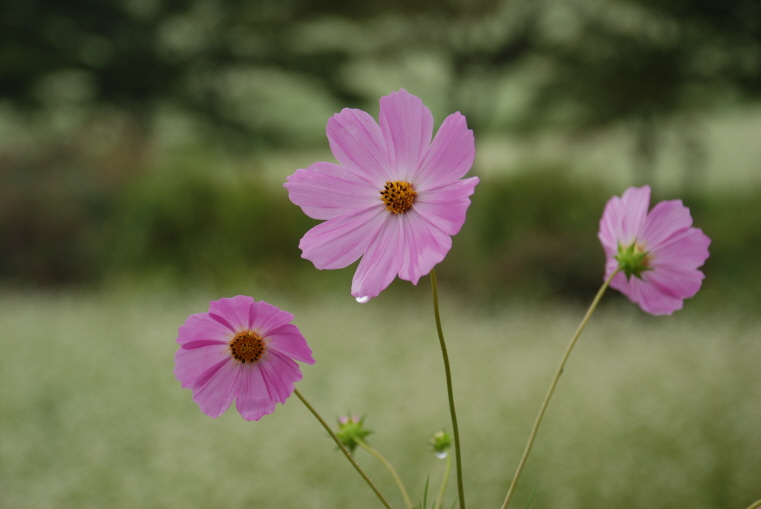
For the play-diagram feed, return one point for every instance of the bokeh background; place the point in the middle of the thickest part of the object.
(143, 147)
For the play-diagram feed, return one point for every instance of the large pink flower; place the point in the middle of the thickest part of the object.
(659, 252)
(243, 350)
(395, 197)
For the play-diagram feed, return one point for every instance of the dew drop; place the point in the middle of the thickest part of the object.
(442, 454)
(362, 300)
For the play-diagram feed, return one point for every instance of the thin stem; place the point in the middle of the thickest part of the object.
(553, 384)
(390, 469)
(755, 505)
(343, 449)
(447, 471)
(450, 392)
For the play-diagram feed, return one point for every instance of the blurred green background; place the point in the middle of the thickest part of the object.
(137, 138)
(143, 147)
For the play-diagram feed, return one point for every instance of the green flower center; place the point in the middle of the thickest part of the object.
(247, 346)
(398, 196)
(634, 259)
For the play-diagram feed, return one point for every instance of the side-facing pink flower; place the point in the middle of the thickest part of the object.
(395, 198)
(242, 350)
(659, 252)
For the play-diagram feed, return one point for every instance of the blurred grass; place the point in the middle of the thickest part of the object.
(659, 412)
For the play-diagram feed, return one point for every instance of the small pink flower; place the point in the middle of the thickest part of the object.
(659, 252)
(395, 198)
(242, 350)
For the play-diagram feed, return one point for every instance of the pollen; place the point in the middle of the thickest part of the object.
(247, 346)
(398, 196)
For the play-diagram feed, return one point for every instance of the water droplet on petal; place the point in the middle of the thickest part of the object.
(442, 454)
(362, 300)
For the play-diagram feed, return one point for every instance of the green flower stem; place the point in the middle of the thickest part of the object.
(364, 445)
(455, 429)
(755, 505)
(343, 449)
(553, 384)
(447, 471)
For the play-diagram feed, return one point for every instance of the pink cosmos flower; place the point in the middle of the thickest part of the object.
(659, 252)
(394, 199)
(243, 350)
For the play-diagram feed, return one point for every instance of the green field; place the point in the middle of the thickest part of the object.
(650, 413)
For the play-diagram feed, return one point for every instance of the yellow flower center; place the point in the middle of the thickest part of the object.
(247, 346)
(398, 196)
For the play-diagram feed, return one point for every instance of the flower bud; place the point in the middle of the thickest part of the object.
(350, 429)
(441, 441)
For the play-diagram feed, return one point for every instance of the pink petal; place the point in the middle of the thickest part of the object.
(191, 363)
(645, 295)
(280, 374)
(357, 143)
(339, 242)
(325, 191)
(624, 218)
(681, 284)
(610, 250)
(450, 156)
(445, 206)
(266, 317)
(666, 219)
(661, 291)
(254, 399)
(407, 126)
(611, 264)
(652, 297)
(612, 217)
(654, 300)
(688, 250)
(425, 245)
(287, 340)
(233, 311)
(621, 284)
(215, 392)
(202, 327)
(628, 287)
(381, 261)
(635, 201)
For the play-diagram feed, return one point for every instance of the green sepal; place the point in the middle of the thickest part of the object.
(632, 261)
(351, 429)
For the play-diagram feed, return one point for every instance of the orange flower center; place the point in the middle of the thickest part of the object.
(247, 346)
(398, 196)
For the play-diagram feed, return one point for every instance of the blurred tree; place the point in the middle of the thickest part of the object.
(602, 60)
(137, 55)
(114, 44)
(258, 71)
(644, 61)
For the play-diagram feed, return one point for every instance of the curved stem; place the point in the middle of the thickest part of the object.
(450, 392)
(390, 469)
(447, 471)
(343, 449)
(553, 384)
(755, 505)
